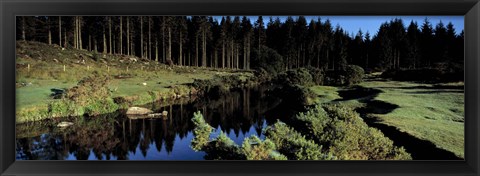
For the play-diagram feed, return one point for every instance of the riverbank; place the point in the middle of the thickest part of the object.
(134, 81)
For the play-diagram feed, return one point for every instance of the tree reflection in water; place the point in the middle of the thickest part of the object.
(114, 136)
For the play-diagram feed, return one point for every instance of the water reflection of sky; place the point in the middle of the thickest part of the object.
(181, 149)
(241, 136)
(121, 138)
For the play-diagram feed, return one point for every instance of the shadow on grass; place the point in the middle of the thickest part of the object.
(418, 148)
(459, 87)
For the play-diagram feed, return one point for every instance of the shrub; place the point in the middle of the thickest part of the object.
(220, 84)
(201, 132)
(293, 145)
(317, 74)
(223, 148)
(101, 106)
(300, 76)
(440, 72)
(354, 74)
(346, 136)
(89, 89)
(298, 96)
(256, 149)
(267, 59)
(96, 56)
(89, 97)
(351, 75)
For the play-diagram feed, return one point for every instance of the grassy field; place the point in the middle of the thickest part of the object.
(432, 112)
(41, 67)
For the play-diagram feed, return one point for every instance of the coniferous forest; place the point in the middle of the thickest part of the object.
(237, 88)
(229, 43)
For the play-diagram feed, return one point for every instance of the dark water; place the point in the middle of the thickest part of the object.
(239, 114)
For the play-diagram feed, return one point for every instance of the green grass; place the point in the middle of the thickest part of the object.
(43, 66)
(325, 93)
(426, 112)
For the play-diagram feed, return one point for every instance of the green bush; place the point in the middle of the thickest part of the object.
(59, 108)
(346, 136)
(440, 72)
(90, 89)
(89, 97)
(223, 148)
(297, 96)
(256, 149)
(294, 145)
(96, 56)
(350, 76)
(101, 106)
(267, 59)
(354, 74)
(201, 132)
(317, 74)
(300, 76)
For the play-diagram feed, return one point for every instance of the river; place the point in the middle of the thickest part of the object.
(240, 113)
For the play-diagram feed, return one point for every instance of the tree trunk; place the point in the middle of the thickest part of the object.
(228, 55)
(95, 45)
(196, 50)
(104, 42)
(80, 32)
(149, 38)
(245, 54)
(75, 41)
(163, 39)
(204, 49)
(65, 37)
(180, 51)
(215, 58)
(156, 49)
(238, 56)
(232, 54)
(114, 45)
(60, 31)
(110, 33)
(128, 35)
(49, 31)
(141, 37)
(121, 35)
(23, 29)
(169, 54)
(89, 42)
(318, 58)
(248, 53)
(223, 54)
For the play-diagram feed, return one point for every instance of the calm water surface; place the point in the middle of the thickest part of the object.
(239, 114)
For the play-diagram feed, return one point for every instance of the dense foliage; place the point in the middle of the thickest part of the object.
(293, 144)
(344, 135)
(267, 59)
(329, 132)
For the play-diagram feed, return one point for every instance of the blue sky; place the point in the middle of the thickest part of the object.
(352, 24)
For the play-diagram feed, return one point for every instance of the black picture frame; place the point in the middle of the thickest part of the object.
(10, 8)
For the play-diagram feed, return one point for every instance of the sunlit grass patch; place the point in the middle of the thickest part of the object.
(429, 112)
(325, 93)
